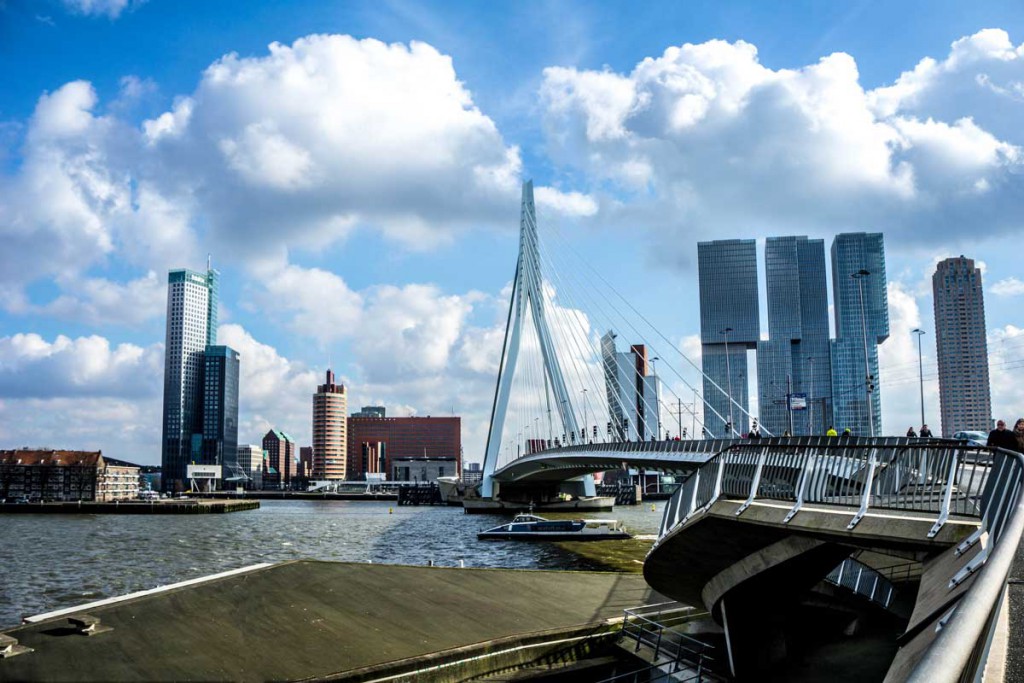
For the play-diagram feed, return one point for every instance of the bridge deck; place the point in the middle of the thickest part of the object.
(312, 619)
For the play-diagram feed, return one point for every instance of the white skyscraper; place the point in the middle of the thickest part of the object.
(191, 328)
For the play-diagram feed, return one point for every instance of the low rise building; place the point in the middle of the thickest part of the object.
(66, 475)
(250, 462)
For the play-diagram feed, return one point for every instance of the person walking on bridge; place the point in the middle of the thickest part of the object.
(1018, 434)
(831, 431)
(911, 434)
(925, 432)
(1001, 437)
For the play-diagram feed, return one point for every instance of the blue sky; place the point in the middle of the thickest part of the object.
(357, 184)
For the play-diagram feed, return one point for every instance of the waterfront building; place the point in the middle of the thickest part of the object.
(250, 462)
(729, 326)
(330, 445)
(220, 414)
(304, 469)
(961, 346)
(795, 359)
(60, 475)
(279, 466)
(852, 253)
(370, 411)
(633, 393)
(422, 469)
(375, 444)
(191, 326)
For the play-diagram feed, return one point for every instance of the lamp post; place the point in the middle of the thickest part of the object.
(810, 399)
(586, 429)
(920, 368)
(859, 277)
(657, 398)
(728, 377)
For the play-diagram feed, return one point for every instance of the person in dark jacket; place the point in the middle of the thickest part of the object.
(1001, 437)
(1018, 434)
(925, 433)
(911, 433)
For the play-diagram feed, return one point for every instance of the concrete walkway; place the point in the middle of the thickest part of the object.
(311, 619)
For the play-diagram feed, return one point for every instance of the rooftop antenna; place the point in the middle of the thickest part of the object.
(209, 262)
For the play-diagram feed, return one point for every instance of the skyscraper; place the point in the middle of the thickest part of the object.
(858, 322)
(633, 392)
(191, 327)
(220, 412)
(961, 346)
(330, 445)
(729, 325)
(795, 358)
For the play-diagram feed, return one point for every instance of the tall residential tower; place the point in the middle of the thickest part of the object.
(961, 346)
(729, 325)
(330, 445)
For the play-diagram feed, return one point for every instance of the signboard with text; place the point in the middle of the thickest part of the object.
(798, 401)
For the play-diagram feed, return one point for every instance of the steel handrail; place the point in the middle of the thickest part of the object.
(951, 651)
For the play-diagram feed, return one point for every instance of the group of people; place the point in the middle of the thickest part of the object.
(1001, 437)
(925, 433)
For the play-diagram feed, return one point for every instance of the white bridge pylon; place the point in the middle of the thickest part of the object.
(526, 291)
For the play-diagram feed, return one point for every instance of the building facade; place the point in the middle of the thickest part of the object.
(961, 346)
(375, 444)
(633, 393)
(250, 461)
(220, 414)
(279, 466)
(857, 320)
(52, 475)
(330, 444)
(370, 411)
(729, 326)
(796, 357)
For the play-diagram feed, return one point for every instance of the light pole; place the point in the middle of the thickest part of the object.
(859, 277)
(586, 429)
(920, 368)
(657, 397)
(693, 416)
(728, 377)
(810, 399)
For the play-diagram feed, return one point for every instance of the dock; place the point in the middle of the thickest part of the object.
(141, 507)
(310, 619)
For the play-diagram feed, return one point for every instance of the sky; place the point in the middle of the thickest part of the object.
(353, 169)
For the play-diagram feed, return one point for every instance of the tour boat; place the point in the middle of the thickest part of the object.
(534, 528)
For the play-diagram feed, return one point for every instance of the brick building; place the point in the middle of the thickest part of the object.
(279, 468)
(66, 475)
(377, 444)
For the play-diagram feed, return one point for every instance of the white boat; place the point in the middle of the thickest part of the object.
(528, 527)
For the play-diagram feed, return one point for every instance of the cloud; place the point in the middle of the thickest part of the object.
(32, 367)
(111, 9)
(1005, 348)
(705, 140)
(1009, 286)
(101, 302)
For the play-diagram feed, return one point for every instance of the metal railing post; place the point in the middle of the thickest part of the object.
(805, 475)
(755, 483)
(865, 499)
(947, 496)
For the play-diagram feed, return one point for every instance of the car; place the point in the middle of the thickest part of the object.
(972, 438)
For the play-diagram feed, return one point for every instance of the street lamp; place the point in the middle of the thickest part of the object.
(585, 428)
(810, 399)
(654, 371)
(920, 368)
(859, 277)
(728, 376)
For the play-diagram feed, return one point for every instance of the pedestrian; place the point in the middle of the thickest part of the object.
(847, 432)
(1001, 437)
(1018, 434)
(786, 434)
(911, 434)
(831, 431)
(925, 432)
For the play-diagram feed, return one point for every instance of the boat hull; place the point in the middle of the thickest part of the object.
(490, 506)
(542, 536)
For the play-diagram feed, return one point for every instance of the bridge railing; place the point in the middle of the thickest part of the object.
(861, 579)
(940, 477)
(654, 626)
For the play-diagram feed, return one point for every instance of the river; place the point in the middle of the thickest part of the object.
(49, 561)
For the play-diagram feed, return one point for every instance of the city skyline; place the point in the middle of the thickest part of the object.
(121, 159)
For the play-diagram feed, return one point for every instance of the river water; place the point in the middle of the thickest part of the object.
(49, 562)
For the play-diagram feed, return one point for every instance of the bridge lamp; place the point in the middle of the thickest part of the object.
(859, 277)
(728, 375)
(920, 367)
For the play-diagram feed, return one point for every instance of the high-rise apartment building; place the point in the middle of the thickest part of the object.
(795, 359)
(729, 325)
(961, 346)
(220, 413)
(279, 467)
(330, 415)
(191, 327)
(633, 394)
(861, 309)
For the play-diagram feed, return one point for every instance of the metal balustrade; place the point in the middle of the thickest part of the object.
(652, 625)
(861, 579)
(937, 477)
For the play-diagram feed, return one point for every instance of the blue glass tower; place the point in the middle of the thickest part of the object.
(729, 319)
(795, 359)
(852, 253)
(220, 411)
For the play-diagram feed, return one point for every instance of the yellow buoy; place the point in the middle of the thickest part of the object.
(652, 508)
(390, 510)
